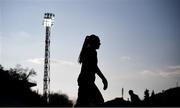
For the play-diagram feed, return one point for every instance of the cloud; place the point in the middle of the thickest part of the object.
(0, 37)
(64, 62)
(125, 58)
(149, 72)
(170, 71)
(36, 60)
(53, 61)
(19, 36)
(174, 67)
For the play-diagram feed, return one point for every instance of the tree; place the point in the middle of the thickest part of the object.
(146, 94)
(56, 99)
(21, 73)
(16, 88)
(152, 94)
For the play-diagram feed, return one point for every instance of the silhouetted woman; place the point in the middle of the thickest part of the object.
(88, 93)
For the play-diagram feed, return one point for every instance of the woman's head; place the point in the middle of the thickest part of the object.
(92, 42)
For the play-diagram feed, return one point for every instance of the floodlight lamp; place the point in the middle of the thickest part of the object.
(48, 19)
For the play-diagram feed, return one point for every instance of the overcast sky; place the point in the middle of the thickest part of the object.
(140, 42)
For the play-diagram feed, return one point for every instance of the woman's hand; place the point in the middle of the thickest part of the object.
(105, 84)
(102, 77)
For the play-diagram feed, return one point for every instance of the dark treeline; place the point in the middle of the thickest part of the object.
(16, 90)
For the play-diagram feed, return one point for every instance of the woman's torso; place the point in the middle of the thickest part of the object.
(88, 68)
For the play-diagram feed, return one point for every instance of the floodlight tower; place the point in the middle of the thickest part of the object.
(47, 22)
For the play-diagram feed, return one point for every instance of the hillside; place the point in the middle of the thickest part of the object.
(169, 97)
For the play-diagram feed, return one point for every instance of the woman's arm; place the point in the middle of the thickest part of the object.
(99, 73)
